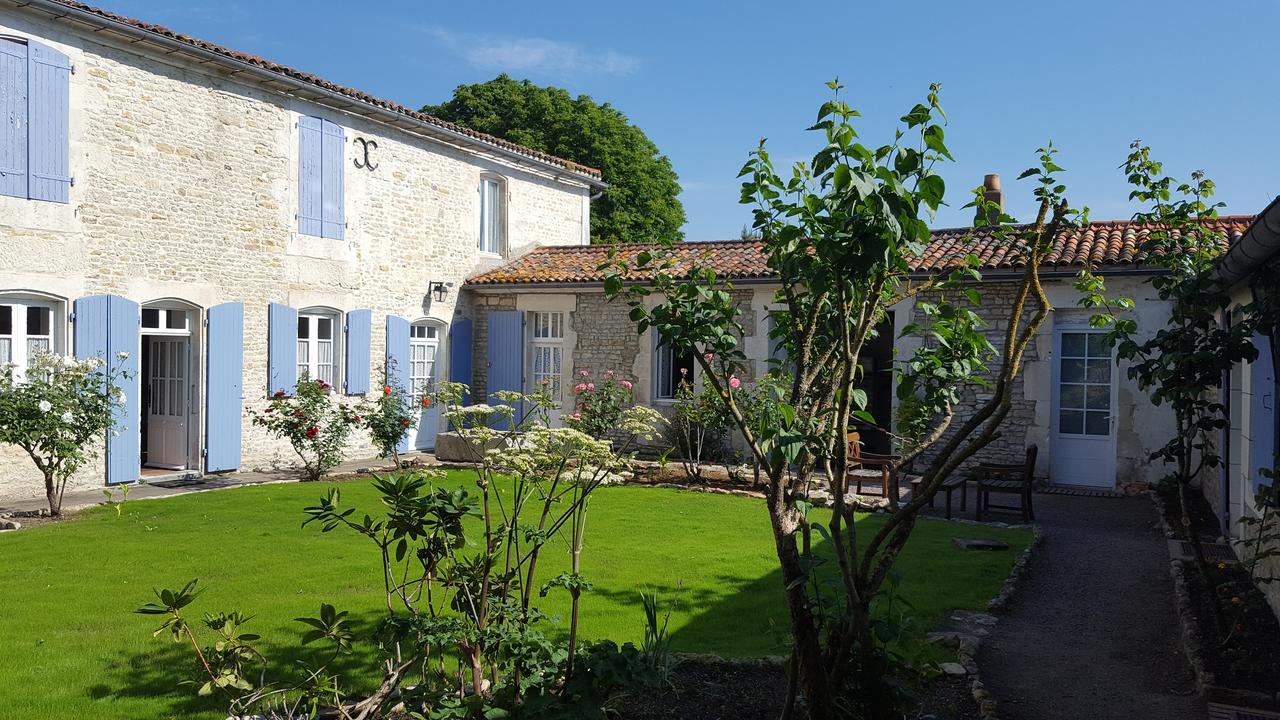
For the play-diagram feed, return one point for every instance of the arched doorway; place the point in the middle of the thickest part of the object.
(426, 350)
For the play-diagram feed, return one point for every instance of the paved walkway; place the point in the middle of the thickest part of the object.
(1092, 633)
(78, 499)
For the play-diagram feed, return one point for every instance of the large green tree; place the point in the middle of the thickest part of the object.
(640, 204)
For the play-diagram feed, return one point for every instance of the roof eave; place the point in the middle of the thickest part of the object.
(313, 92)
(1259, 243)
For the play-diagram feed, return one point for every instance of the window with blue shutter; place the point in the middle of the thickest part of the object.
(359, 339)
(321, 146)
(225, 376)
(282, 349)
(34, 108)
(13, 118)
(397, 365)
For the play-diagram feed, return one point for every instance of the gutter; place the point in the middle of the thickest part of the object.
(1258, 244)
(338, 101)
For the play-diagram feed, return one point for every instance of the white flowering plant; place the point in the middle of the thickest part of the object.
(59, 411)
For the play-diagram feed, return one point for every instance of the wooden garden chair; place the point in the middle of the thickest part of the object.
(1008, 479)
(872, 468)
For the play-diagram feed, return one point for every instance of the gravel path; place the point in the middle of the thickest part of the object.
(1092, 631)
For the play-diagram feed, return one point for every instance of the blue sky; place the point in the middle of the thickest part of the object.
(707, 80)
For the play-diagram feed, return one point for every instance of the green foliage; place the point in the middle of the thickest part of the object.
(698, 425)
(59, 411)
(641, 203)
(314, 423)
(598, 409)
(389, 416)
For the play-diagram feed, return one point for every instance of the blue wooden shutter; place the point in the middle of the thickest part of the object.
(48, 108)
(1262, 413)
(358, 340)
(282, 349)
(506, 353)
(224, 403)
(13, 118)
(397, 367)
(333, 145)
(460, 354)
(106, 326)
(309, 183)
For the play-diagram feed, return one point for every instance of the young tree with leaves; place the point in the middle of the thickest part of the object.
(1180, 365)
(843, 234)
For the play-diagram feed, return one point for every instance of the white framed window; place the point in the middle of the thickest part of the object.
(319, 340)
(165, 321)
(493, 213)
(546, 345)
(27, 328)
(424, 348)
(669, 370)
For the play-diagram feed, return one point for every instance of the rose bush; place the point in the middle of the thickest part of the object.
(598, 408)
(389, 418)
(313, 422)
(59, 413)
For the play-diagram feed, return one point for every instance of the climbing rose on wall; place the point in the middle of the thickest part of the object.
(314, 423)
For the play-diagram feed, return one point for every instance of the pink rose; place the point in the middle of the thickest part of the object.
(708, 357)
(734, 382)
(684, 371)
(579, 387)
(609, 374)
(591, 386)
(583, 373)
(626, 384)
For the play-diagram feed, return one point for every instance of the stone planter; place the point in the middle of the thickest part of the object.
(452, 447)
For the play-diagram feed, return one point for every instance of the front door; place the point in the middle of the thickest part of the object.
(424, 349)
(166, 400)
(1083, 443)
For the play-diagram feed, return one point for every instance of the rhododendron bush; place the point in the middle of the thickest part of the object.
(314, 423)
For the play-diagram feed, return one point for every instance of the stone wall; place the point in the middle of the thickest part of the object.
(186, 188)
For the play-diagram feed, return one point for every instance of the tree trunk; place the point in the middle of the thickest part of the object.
(53, 493)
(806, 649)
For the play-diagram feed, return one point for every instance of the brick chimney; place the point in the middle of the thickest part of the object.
(991, 193)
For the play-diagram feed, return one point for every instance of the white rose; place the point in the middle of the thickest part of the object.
(67, 417)
(45, 406)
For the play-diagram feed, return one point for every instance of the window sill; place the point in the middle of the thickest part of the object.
(488, 254)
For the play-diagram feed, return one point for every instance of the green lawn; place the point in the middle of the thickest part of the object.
(73, 648)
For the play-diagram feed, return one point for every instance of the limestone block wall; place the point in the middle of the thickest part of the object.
(186, 188)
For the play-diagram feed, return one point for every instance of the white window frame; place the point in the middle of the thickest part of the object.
(310, 348)
(492, 221)
(663, 361)
(19, 352)
(546, 342)
(422, 335)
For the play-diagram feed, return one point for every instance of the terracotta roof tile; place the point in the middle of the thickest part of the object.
(1103, 244)
(319, 82)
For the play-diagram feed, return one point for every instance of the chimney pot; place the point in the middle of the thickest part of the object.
(991, 193)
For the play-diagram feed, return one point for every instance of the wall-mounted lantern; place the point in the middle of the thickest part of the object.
(437, 291)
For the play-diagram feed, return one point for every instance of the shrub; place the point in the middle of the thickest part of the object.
(599, 408)
(313, 422)
(698, 427)
(58, 414)
(389, 418)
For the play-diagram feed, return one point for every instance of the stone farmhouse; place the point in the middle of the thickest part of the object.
(1093, 427)
(232, 223)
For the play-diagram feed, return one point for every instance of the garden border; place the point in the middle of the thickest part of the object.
(1206, 682)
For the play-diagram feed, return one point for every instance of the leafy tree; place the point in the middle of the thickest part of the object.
(58, 412)
(640, 204)
(1181, 365)
(842, 234)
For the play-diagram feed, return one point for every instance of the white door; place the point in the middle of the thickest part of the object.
(424, 349)
(1083, 439)
(167, 402)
